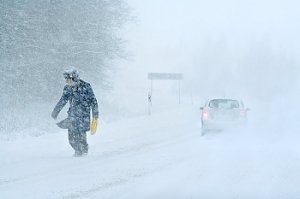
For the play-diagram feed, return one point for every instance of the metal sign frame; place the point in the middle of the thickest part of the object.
(163, 76)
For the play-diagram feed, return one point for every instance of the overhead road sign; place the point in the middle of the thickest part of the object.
(164, 76)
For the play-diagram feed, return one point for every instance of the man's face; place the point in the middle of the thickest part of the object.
(70, 82)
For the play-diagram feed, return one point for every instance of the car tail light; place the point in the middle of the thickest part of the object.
(205, 114)
(243, 113)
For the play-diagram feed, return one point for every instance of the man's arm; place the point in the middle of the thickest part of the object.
(62, 102)
(94, 103)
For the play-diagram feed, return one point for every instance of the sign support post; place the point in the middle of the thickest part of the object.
(163, 76)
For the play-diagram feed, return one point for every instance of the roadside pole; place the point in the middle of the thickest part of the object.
(149, 103)
(179, 91)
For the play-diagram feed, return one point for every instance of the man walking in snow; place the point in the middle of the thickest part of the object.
(81, 98)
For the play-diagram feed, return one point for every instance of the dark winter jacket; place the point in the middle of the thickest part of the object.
(81, 99)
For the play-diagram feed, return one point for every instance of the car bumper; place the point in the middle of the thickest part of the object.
(220, 125)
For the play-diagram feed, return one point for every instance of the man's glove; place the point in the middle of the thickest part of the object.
(54, 114)
(94, 126)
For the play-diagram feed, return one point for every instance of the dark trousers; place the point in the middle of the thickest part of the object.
(78, 142)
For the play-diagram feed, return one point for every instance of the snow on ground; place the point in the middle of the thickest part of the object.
(162, 156)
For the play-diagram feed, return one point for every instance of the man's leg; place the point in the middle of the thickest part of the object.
(73, 140)
(83, 145)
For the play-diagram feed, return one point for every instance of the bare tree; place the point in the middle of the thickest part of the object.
(40, 38)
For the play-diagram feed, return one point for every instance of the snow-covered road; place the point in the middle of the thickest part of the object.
(162, 156)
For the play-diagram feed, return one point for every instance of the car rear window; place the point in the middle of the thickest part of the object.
(224, 103)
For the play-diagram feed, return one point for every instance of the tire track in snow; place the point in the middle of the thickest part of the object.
(108, 154)
(121, 180)
(115, 182)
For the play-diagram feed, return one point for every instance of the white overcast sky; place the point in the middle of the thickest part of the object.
(171, 36)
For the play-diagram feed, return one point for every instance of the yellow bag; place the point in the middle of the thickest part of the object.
(94, 126)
